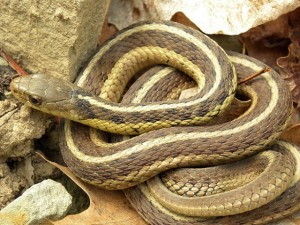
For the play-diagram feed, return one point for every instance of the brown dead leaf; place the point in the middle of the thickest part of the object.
(290, 66)
(269, 41)
(292, 134)
(276, 43)
(179, 17)
(295, 117)
(106, 207)
(107, 31)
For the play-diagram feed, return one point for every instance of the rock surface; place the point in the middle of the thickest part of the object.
(11, 184)
(211, 16)
(19, 125)
(53, 37)
(46, 200)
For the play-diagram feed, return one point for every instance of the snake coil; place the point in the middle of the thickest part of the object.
(169, 135)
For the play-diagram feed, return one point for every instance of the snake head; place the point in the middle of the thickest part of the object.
(45, 93)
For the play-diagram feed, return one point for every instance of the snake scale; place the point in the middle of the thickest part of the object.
(169, 137)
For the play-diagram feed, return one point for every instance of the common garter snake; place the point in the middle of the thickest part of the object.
(125, 164)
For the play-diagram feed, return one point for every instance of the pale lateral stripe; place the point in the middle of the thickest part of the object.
(140, 53)
(145, 190)
(174, 30)
(140, 94)
(179, 137)
(157, 106)
(161, 27)
(296, 155)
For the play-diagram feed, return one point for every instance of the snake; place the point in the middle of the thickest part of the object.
(197, 182)
(168, 135)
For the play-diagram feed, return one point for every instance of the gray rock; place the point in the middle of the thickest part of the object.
(45, 200)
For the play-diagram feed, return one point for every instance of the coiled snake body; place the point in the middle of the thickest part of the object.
(177, 142)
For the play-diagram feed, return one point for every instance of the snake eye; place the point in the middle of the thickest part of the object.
(35, 100)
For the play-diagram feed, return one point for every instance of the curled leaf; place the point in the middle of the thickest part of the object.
(106, 207)
(292, 134)
(290, 66)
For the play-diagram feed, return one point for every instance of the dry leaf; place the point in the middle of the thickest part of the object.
(290, 66)
(269, 41)
(295, 117)
(107, 31)
(106, 207)
(276, 43)
(211, 16)
(292, 134)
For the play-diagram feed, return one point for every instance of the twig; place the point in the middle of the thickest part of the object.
(12, 63)
(264, 70)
